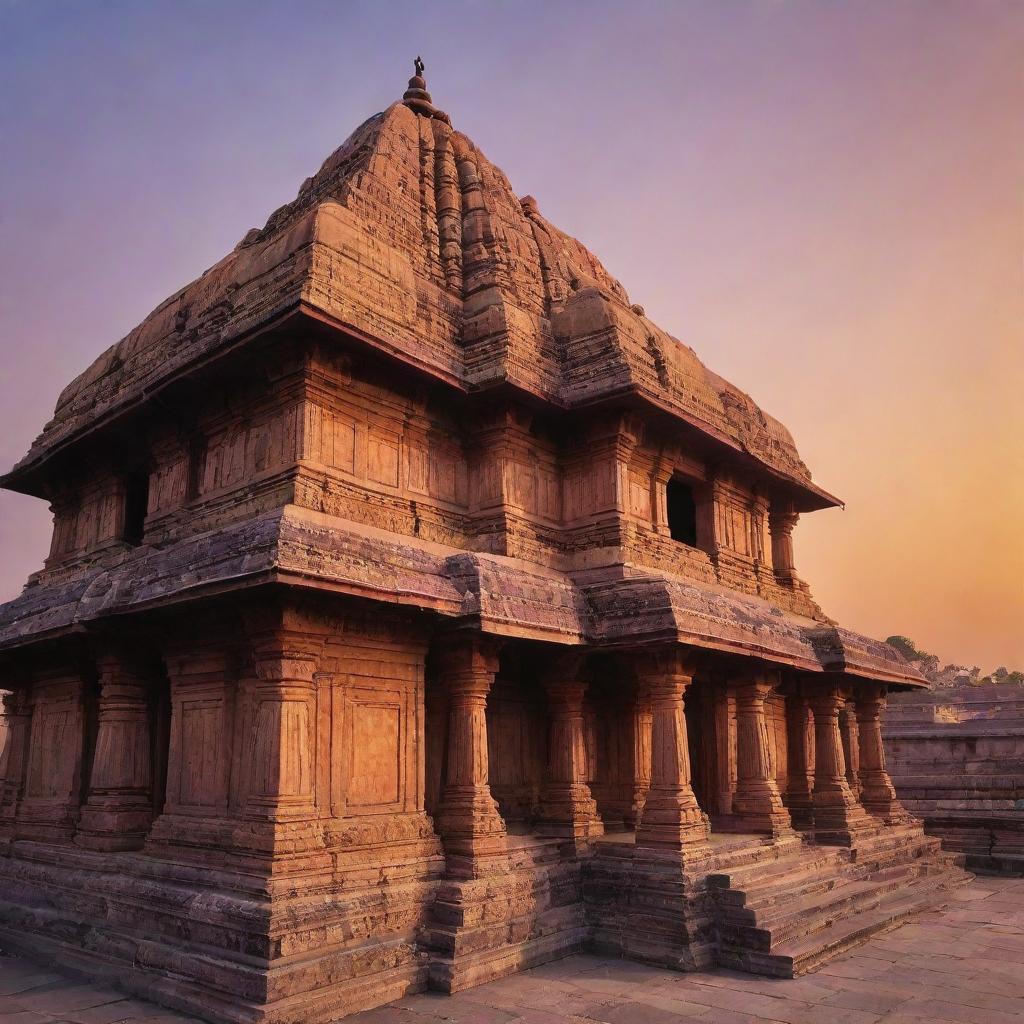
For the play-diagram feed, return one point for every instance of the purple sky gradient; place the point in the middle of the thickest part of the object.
(823, 199)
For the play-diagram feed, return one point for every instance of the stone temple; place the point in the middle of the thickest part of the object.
(419, 611)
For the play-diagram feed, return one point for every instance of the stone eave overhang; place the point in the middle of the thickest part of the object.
(498, 595)
(29, 475)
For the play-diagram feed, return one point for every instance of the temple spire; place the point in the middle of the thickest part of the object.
(417, 98)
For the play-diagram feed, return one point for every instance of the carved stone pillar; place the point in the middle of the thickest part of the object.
(197, 810)
(118, 810)
(725, 749)
(642, 726)
(567, 807)
(878, 794)
(468, 819)
(18, 715)
(781, 523)
(799, 796)
(837, 815)
(672, 818)
(757, 805)
(278, 721)
(851, 746)
(50, 804)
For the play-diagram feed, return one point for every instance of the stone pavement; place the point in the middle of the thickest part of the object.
(962, 964)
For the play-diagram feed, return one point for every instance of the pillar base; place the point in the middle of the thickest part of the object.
(571, 813)
(114, 828)
(801, 809)
(839, 820)
(672, 828)
(761, 810)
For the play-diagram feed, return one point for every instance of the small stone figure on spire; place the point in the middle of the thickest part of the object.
(416, 96)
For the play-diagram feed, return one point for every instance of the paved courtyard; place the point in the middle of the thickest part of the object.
(963, 964)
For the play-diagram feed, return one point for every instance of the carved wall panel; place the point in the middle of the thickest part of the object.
(376, 689)
(202, 728)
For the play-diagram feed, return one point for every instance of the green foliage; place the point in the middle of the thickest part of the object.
(906, 647)
(952, 675)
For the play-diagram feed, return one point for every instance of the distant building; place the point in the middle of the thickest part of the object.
(419, 611)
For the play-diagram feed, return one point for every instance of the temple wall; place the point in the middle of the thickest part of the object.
(345, 436)
(957, 760)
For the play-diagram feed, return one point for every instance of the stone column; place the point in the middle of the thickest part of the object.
(877, 791)
(837, 815)
(51, 799)
(277, 721)
(640, 735)
(203, 746)
(725, 748)
(781, 523)
(18, 715)
(799, 796)
(118, 810)
(567, 806)
(757, 805)
(671, 817)
(468, 819)
(851, 746)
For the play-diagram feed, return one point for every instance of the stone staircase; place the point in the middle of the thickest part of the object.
(813, 902)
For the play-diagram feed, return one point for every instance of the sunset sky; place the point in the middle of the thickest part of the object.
(823, 199)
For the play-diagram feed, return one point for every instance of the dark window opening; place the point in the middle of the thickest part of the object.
(136, 502)
(682, 512)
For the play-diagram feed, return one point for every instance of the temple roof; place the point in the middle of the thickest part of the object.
(411, 240)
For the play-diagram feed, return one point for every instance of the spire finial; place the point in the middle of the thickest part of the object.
(416, 96)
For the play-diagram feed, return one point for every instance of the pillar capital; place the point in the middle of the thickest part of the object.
(468, 662)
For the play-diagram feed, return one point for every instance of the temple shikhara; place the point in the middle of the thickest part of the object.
(418, 611)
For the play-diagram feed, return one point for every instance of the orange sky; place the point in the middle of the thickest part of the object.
(823, 199)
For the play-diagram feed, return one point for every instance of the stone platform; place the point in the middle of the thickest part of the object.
(964, 964)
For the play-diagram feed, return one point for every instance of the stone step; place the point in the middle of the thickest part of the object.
(806, 933)
(805, 953)
(746, 853)
(778, 902)
(805, 878)
(755, 877)
(812, 950)
(815, 914)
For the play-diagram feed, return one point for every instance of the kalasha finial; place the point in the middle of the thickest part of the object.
(416, 96)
